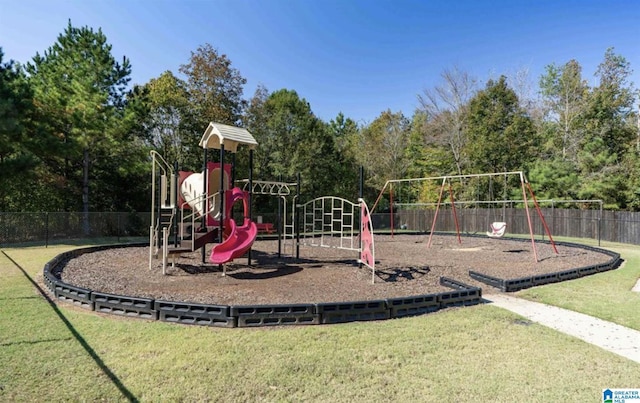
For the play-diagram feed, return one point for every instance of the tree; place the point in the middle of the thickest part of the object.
(555, 179)
(78, 87)
(425, 157)
(417, 152)
(17, 163)
(122, 183)
(381, 147)
(255, 121)
(501, 135)
(445, 107)
(612, 104)
(296, 141)
(610, 134)
(293, 140)
(631, 166)
(345, 167)
(215, 88)
(565, 96)
(520, 81)
(168, 102)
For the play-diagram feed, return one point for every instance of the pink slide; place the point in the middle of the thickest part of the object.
(239, 239)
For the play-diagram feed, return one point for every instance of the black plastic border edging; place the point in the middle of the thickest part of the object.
(124, 305)
(296, 314)
(512, 285)
(465, 294)
(274, 315)
(412, 306)
(251, 315)
(342, 312)
(194, 314)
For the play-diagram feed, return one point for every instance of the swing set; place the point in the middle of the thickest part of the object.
(497, 228)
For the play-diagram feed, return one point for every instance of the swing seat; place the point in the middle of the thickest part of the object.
(497, 229)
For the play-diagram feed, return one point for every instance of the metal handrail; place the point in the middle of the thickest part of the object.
(196, 214)
(268, 187)
(165, 168)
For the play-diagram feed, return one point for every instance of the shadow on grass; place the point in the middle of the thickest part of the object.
(14, 298)
(116, 381)
(16, 343)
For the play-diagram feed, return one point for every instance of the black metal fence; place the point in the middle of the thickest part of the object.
(53, 226)
(612, 226)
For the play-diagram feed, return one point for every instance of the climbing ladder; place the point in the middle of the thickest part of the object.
(330, 222)
(184, 225)
(282, 190)
(333, 222)
(163, 176)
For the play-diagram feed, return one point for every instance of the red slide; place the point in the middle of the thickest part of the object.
(239, 239)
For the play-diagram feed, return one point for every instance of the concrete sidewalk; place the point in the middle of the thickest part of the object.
(609, 336)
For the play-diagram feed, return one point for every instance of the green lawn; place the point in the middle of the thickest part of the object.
(483, 353)
(606, 295)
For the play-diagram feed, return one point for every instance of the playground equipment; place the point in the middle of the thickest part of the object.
(497, 229)
(447, 184)
(192, 193)
(237, 240)
(326, 221)
(286, 217)
(188, 206)
(333, 222)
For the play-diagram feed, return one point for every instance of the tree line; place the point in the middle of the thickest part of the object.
(75, 137)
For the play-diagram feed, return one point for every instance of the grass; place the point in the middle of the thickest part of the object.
(54, 352)
(606, 295)
(79, 242)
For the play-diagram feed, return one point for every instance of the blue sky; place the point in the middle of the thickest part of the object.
(356, 57)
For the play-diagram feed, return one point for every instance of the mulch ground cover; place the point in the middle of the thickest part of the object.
(405, 266)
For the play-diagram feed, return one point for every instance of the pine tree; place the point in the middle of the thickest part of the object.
(78, 89)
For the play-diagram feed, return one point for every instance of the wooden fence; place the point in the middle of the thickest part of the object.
(613, 226)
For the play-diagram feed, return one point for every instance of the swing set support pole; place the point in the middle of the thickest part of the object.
(544, 222)
(435, 216)
(526, 207)
(455, 215)
(391, 208)
(379, 196)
